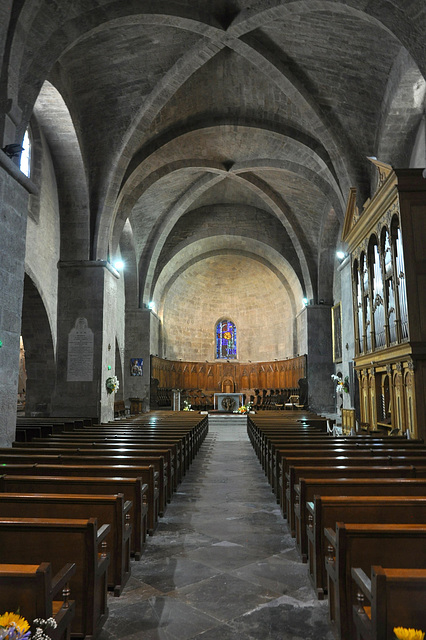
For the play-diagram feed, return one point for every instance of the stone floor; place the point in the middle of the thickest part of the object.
(221, 564)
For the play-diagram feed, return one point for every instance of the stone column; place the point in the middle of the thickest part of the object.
(14, 191)
(348, 336)
(137, 341)
(314, 323)
(86, 339)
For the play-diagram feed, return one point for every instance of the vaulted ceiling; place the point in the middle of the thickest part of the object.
(228, 125)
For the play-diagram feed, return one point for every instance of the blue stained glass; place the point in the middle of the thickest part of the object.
(226, 339)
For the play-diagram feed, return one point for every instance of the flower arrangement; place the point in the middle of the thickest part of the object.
(187, 406)
(14, 627)
(112, 385)
(341, 385)
(245, 408)
(408, 634)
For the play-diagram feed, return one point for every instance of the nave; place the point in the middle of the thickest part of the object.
(221, 563)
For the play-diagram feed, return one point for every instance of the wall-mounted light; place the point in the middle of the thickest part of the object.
(151, 305)
(305, 301)
(119, 265)
(340, 255)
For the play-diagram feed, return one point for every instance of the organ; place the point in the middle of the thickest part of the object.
(388, 260)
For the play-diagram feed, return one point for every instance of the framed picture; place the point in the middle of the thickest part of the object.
(336, 327)
(136, 366)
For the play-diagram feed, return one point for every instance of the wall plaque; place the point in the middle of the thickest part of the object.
(80, 352)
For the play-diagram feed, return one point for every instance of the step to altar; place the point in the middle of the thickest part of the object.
(217, 420)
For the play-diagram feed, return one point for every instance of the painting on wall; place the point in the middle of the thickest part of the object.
(336, 324)
(136, 366)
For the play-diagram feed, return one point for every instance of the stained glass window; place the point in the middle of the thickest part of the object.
(226, 339)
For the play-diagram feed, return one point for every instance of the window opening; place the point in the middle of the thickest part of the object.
(25, 162)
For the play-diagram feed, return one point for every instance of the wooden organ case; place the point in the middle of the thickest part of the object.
(387, 243)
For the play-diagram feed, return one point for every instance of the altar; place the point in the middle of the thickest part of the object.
(228, 402)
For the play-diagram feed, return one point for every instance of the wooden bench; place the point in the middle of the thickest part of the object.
(308, 488)
(106, 508)
(114, 466)
(365, 545)
(49, 480)
(31, 590)
(82, 458)
(119, 409)
(92, 452)
(113, 441)
(278, 452)
(325, 511)
(405, 468)
(390, 598)
(61, 541)
(107, 446)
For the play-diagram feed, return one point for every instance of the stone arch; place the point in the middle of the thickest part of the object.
(39, 352)
(69, 170)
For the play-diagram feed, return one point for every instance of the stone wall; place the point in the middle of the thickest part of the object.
(14, 188)
(227, 287)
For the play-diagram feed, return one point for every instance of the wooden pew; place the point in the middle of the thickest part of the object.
(109, 459)
(405, 468)
(308, 488)
(105, 508)
(390, 598)
(133, 489)
(31, 590)
(327, 510)
(162, 459)
(112, 466)
(364, 545)
(61, 541)
(350, 449)
(106, 447)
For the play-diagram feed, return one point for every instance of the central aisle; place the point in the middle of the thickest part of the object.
(221, 565)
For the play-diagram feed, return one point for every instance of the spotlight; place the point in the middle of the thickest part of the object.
(340, 255)
(305, 301)
(151, 305)
(119, 265)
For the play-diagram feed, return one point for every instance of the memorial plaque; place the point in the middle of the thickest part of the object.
(80, 352)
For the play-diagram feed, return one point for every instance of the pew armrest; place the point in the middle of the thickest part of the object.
(62, 578)
(103, 531)
(330, 535)
(144, 493)
(362, 581)
(127, 506)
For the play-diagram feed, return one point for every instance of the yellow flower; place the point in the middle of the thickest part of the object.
(408, 634)
(227, 335)
(14, 620)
